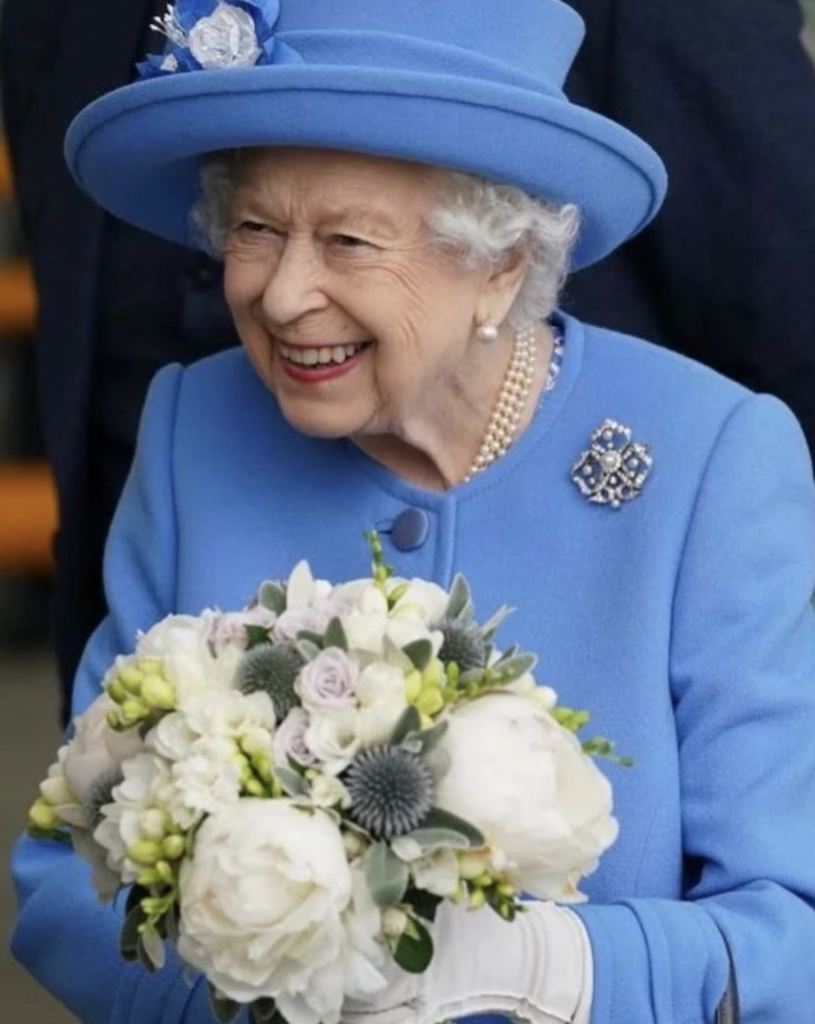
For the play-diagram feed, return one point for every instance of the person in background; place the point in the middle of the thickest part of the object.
(723, 90)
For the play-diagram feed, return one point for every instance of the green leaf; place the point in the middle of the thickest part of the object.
(272, 596)
(491, 627)
(129, 936)
(409, 721)
(460, 605)
(387, 876)
(265, 1011)
(256, 635)
(170, 922)
(307, 636)
(335, 635)
(437, 818)
(513, 668)
(510, 652)
(307, 650)
(223, 1010)
(291, 782)
(430, 738)
(151, 952)
(420, 652)
(435, 838)
(414, 954)
(134, 897)
(423, 903)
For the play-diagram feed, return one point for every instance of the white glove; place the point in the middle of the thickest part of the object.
(537, 968)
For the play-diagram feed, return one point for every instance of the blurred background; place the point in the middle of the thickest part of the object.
(29, 696)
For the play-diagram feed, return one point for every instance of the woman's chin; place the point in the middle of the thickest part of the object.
(318, 419)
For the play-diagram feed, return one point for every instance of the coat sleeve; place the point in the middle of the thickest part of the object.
(743, 681)
(64, 936)
(725, 92)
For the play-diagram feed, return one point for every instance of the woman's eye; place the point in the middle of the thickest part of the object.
(256, 227)
(348, 241)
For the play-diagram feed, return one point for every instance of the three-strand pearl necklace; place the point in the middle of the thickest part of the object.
(509, 406)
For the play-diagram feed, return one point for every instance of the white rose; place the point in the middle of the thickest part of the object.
(263, 906)
(542, 804)
(225, 39)
(91, 760)
(328, 681)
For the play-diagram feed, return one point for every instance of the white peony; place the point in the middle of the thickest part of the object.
(88, 763)
(524, 781)
(269, 909)
(225, 39)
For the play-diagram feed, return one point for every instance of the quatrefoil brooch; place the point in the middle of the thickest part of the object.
(615, 468)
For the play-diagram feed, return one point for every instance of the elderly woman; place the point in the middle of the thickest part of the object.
(397, 190)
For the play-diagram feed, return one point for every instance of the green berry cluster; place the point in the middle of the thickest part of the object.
(142, 691)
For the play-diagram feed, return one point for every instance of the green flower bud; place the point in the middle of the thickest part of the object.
(353, 844)
(254, 787)
(484, 880)
(433, 675)
(506, 889)
(131, 680)
(133, 711)
(41, 815)
(148, 877)
(172, 847)
(413, 685)
(453, 673)
(145, 851)
(165, 872)
(150, 666)
(394, 922)
(114, 721)
(430, 702)
(117, 692)
(477, 899)
(471, 865)
(158, 693)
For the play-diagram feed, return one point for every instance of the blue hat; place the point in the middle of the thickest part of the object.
(474, 85)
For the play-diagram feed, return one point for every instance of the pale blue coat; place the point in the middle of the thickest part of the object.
(682, 621)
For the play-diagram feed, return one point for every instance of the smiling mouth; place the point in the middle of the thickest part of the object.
(334, 355)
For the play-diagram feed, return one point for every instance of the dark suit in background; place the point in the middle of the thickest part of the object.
(720, 87)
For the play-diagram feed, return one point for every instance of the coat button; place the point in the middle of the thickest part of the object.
(410, 529)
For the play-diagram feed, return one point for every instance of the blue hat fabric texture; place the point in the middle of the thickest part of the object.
(473, 85)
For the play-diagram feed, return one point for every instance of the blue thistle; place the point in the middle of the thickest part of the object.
(272, 668)
(391, 791)
(463, 643)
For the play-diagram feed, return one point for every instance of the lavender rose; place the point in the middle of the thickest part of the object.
(329, 681)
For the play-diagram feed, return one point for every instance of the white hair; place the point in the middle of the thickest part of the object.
(481, 221)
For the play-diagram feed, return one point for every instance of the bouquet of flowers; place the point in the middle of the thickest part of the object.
(290, 791)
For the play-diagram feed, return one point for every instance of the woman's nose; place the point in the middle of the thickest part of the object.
(295, 284)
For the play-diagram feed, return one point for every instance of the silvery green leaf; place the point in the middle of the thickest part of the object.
(472, 675)
(264, 1011)
(307, 649)
(412, 743)
(272, 596)
(170, 921)
(513, 668)
(129, 936)
(437, 818)
(420, 652)
(460, 605)
(153, 949)
(430, 738)
(293, 783)
(335, 635)
(491, 627)
(306, 635)
(409, 721)
(144, 957)
(436, 838)
(223, 1010)
(386, 875)
(510, 652)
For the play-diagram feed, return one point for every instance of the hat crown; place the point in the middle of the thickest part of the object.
(537, 37)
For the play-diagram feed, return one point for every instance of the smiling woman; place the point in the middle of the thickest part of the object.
(396, 209)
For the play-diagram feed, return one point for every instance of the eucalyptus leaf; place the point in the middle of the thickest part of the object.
(414, 954)
(272, 596)
(335, 635)
(437, 838)
(513, 668)
(420, 653)
(460, 605)
(409, 721)
(437, 818)
(223, 1010)
(386, 875)
(293, 783)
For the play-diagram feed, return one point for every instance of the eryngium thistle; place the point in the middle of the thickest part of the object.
(272, 668)
(463, 644)
(391, 791)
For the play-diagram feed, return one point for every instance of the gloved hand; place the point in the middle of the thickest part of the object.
(537, 968)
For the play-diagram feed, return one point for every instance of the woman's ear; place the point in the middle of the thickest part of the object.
(502, 286)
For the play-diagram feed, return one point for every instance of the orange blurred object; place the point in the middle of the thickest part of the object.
(28, 518)
(6, 176)
(18, 300)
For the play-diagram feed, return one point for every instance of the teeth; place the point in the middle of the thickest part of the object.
(319, 356)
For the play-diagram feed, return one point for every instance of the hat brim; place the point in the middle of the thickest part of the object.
(137, 150)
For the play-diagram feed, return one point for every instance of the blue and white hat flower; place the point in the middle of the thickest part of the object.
(206, 34)
(474, 85)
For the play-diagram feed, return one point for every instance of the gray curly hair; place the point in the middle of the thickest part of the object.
(477, 219)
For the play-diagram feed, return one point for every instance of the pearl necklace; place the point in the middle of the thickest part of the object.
(509, 406)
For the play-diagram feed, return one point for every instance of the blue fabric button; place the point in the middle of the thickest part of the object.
(410, 529)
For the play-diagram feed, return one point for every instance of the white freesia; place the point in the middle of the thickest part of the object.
(423, 599)
(327, 791)
(267, 910)
(225, 39)
(382, 700)
(541, 803)
(205, 781)
(182, 642)
(334, 738)
(88, 763)
(227, 714)
(436, 872)
(366, 623)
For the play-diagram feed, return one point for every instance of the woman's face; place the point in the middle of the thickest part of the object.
(351, 315)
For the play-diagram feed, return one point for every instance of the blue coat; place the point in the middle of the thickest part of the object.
(682, 621)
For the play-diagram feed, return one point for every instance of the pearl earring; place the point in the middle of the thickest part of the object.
(487, 332)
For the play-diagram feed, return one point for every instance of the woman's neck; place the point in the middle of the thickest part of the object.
(436, 452)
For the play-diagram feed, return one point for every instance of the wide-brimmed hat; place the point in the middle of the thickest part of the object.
(475, 85)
